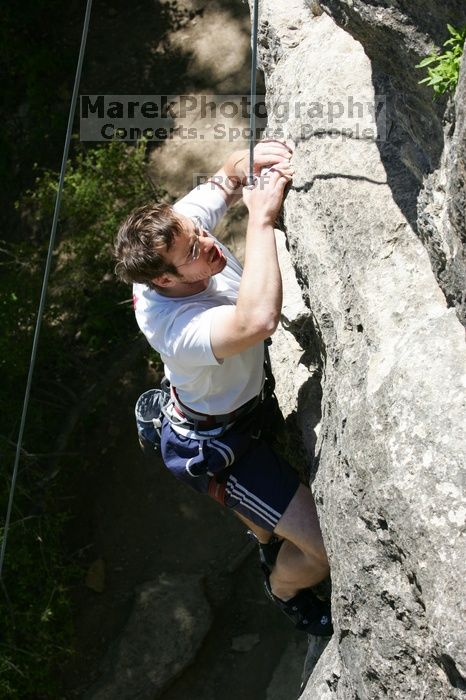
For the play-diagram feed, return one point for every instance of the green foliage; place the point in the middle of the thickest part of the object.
(443, 69)
(36, 620)
(101, 187)
(86, 320)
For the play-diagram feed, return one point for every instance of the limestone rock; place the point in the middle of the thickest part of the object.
(392, 443)
(457, 168)
(422, 155)
(165, 629)
(326, 671)
(296, 368)
(442, 206)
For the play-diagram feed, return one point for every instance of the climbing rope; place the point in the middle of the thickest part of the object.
(252, 116)
(45, 280)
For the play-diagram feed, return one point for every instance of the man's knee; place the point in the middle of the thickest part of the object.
(316, 556)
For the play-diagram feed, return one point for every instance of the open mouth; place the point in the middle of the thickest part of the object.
(216, 254)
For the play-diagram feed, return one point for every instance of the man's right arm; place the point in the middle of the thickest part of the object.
(257, 311)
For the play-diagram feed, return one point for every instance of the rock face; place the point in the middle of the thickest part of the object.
(442, 206)
(395, 38)
(298, 391)
(391, 446)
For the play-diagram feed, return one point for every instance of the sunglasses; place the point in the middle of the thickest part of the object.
(195, 251)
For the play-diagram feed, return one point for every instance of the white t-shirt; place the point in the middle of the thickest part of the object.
(179, 327)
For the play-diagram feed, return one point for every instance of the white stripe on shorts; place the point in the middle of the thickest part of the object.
(252, 496)
(253, 503)
(242, 500)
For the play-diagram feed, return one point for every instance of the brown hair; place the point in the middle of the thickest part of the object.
(139, 241)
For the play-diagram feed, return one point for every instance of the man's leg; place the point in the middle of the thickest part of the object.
(266, 494)
(302, 561)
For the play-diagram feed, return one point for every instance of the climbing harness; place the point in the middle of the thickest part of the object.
(45, 280)
(183, 415)
(156, 404)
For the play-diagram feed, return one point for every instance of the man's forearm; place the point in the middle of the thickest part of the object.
(231, 187)
(260, 294)
(257, 310)
(231, 177)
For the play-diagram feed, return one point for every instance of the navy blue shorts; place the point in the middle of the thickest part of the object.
(240, 472)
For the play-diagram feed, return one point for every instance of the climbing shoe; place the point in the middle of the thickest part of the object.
(306, 610)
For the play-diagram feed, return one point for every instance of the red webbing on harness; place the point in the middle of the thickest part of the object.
(217, 491)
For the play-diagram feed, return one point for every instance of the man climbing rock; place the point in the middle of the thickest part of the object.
(209, 319)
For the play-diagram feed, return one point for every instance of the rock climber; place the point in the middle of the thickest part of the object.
(208, 319)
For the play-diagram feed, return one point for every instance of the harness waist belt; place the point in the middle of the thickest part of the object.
(202, 421)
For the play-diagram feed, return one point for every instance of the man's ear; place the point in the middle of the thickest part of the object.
(166, 279)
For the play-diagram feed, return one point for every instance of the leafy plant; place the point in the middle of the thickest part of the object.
(443, 69)
(102, 185)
